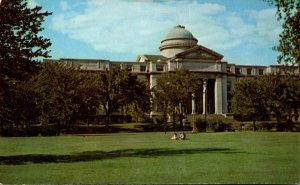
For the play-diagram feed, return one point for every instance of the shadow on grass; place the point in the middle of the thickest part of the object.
(102, 155)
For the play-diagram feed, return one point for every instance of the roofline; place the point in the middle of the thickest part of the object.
(219, 56)
(193, 38)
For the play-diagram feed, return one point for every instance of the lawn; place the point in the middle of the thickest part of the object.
(228, 157)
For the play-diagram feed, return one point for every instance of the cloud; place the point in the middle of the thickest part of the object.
(267, 28)
(64, 5)
(138, 26)
(32, 4)
(210, 8)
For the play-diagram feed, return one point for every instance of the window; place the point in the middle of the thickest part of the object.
(260, 71)
(129, 67)
(237, 71)
(143, 68)
(159, 68)
(115, 66)
(228, 87)
(249, 71)
(228, 69)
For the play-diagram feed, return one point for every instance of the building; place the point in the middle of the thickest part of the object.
(180, 49)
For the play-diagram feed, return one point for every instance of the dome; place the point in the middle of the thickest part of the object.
(179, 32)
(177, 40)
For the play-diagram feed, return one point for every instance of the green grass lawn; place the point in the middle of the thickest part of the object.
(229, 157)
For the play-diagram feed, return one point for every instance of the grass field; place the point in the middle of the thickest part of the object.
(229, 157)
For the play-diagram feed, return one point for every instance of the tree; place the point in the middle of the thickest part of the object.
(119, 88)
(140, 105)
(87, 95)
(173, 90)
(20, 42)
(259, 96)
(288, 11)
(56, 86)
(282, 97)
(20, 47)
(248, 99)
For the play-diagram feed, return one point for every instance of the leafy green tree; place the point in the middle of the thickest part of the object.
(87, 95)
(20, 42)
(274, 94)
(140, 105)
(288, 11)
(282, 96)
(118, 88)
(248, 99)
(20, 47)
(173, 90)
(270, 94)
(293, 84)
(24, 104)
(56, 87)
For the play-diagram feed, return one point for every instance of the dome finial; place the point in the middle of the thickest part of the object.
(180, 26)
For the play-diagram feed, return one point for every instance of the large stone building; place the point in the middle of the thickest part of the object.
(180, 49)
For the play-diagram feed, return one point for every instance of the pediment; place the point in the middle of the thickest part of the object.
(200, 52)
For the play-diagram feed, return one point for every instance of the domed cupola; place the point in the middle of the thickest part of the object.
(177, 40)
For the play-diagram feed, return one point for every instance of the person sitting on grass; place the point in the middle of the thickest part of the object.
(174, 136)
(182, 136)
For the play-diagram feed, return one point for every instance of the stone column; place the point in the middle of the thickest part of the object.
(152, 67)
(204, 96)
(122, 66)
(193, 104)
(153, 84)
(218, 95)
(224, 94)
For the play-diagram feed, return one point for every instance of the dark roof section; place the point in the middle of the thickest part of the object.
(153, 58)
(217, 55)
(83, 60)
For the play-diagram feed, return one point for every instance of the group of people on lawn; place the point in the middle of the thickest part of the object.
(180, 136)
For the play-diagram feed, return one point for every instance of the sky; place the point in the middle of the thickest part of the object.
(244, 31)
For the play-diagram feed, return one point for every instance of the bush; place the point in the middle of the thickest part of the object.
(288, 126)
(216, 123)
(296, 127)
(9, 132)
(19, 131)
(49, 130)
(200, 124)
(33, 130)
(158, 120)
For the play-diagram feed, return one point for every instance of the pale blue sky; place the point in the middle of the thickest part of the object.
(244, 31)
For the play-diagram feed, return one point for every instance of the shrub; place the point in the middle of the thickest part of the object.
(200, 124)
(14, 132)
(49, 130)
(33, 130)
(216, 123)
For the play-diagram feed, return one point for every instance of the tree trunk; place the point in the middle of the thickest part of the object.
(195, 128)
(254, 126)
(108, 120)
(165, 121)
(174, 121)
(58, 128)
(278, 118)
(1, 126)
(181, 121)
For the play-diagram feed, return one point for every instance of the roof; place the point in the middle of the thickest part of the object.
(179, 32)
(200, 47)
(153, 58)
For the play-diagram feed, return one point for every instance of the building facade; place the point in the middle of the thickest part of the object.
(180, 49)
